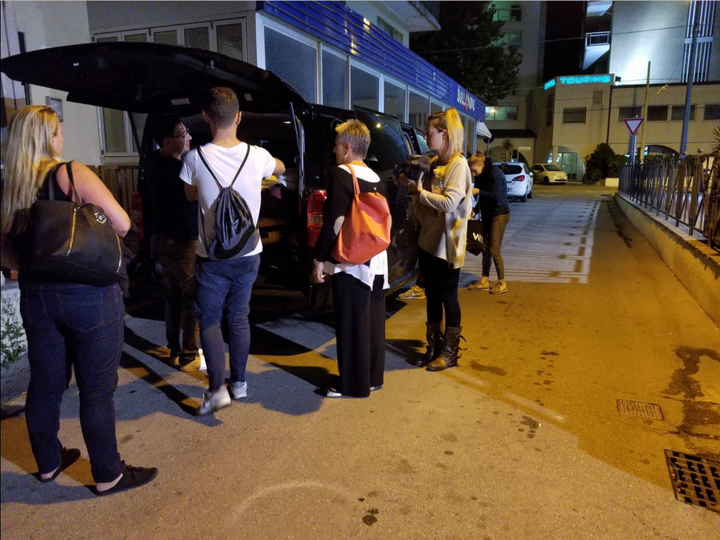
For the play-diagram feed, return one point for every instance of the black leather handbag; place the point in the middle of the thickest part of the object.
(475, 237)
(74, 242)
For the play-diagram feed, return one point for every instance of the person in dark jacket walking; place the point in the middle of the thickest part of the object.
(495, 214)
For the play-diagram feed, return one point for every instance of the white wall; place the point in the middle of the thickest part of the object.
(372, 10)
(634, 40)
(54, 24)
(668, 133)
(113, 16)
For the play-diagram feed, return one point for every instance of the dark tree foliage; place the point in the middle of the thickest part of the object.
(602, 163)
(465, 49)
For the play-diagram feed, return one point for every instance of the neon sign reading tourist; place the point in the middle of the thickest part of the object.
(579, 79)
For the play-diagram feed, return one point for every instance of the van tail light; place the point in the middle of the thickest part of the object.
(519, 178)
(314, 215)
(136, 213)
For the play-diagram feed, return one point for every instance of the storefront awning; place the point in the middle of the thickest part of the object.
(483, 130)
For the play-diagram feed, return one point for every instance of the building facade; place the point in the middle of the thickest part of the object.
(329, 52)
(565, 118)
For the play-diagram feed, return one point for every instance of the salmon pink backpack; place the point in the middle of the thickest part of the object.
(366, 229)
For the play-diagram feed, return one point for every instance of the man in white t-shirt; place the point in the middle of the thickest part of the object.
(225, 285)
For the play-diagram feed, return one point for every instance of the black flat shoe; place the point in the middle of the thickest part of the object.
(68, 456)
(132, 477)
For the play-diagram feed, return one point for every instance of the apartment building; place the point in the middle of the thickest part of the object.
(566, 117)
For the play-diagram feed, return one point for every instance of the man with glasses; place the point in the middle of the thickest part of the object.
(174, 237)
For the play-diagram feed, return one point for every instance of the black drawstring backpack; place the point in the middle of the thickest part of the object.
(235, 230)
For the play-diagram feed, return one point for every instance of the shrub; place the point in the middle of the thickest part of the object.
(12, 335)
(603, 163)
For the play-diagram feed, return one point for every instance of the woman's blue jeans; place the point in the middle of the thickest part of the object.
(73, 326)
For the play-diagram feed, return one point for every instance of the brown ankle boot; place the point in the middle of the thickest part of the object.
(449, 356)
(434, 337)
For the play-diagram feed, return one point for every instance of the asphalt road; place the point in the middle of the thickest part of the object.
(525, 440)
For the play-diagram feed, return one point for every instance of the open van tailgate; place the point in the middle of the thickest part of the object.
(148, 77)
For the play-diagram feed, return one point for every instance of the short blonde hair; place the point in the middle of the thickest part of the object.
(449, 121)
(30, 155)
(477, 159)
(356, 134)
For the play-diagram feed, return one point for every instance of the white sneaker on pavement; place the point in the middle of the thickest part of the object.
(238, 389)
(214, 401)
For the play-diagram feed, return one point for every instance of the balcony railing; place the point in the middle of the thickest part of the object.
(597, 38)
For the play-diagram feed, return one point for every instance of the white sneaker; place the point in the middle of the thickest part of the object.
(214, 401)
(413, 293)
(238, 389)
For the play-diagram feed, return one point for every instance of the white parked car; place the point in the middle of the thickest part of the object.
(549, 174)
(519, 180)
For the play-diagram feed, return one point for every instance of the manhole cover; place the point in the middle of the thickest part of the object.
(695, 480)
(640, 409)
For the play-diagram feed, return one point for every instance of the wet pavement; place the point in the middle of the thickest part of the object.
(573, 386)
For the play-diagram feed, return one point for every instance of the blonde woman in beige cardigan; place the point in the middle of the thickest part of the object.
(443, 203)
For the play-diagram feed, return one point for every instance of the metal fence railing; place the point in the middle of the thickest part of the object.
(685, 191)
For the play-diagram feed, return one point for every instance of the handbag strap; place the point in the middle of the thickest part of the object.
(202, 157)
(72, 192)
(356, 184)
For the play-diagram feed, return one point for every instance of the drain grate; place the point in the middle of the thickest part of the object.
(640, 409)
(695, 480)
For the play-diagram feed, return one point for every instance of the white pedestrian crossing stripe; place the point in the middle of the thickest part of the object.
(546, 241)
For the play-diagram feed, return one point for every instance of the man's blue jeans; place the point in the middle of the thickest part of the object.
(79, 326)
(225, 286)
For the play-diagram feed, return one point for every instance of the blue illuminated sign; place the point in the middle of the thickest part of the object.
(580, 79)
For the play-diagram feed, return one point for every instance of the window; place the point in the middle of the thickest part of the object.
(114, 131)
(657, 113)
(505, 11)
(138, 38)
(166, 37)
(550, 110)
(678, 113)
(197, 37)
(501, 113)
(390, 29)
(628, 112)
(470, 135)
(394, 100)
(419, 106)
(574, 115)
(230, 40)
(434, 107)
(297, 69)
(334, 79)
(712, 112)
(364, 89)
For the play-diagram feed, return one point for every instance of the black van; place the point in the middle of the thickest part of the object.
(158, 79)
